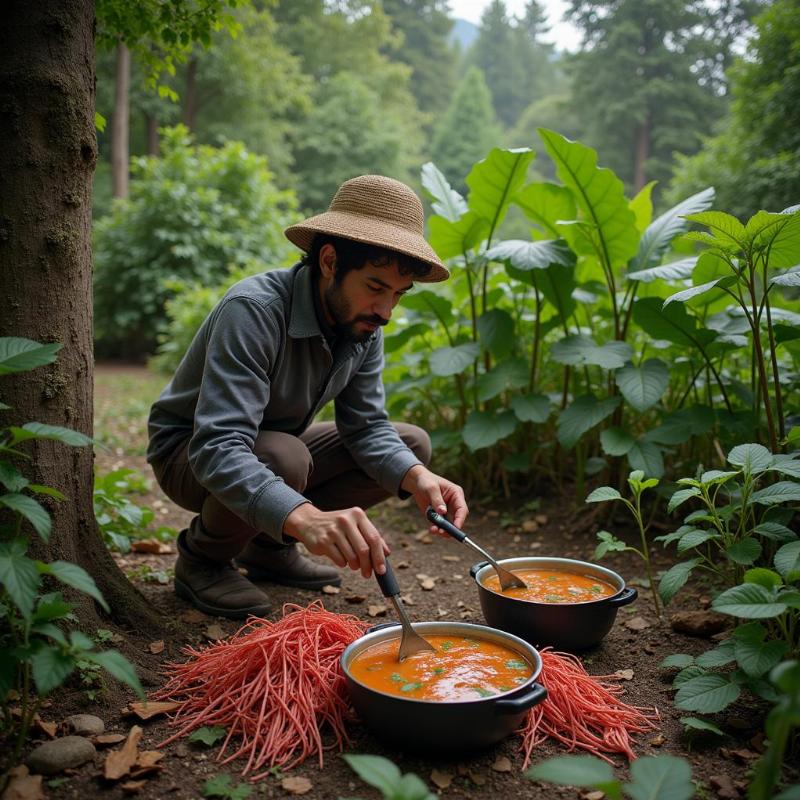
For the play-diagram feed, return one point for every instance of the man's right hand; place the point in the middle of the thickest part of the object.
(347, 537)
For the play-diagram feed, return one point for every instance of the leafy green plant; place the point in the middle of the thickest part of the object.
(387, 778)
(608, 542)
(223, 786)
(120, 520)
(36, 653)
(208, 736)
(652, 777)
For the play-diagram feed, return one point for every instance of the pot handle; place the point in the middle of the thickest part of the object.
(625, 597)
(476, 568)
(381, 626)
(513, 705)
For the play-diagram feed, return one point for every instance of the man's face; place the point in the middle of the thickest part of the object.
(365, 299)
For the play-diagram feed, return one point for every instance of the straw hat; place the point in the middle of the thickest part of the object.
(375, 210)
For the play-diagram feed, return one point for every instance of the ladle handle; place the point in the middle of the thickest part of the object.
(388, 583)
(445, 524)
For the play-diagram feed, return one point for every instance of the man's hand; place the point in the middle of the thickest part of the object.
(429, 489)
(346, 537)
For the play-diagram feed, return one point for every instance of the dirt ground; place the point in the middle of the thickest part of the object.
(638, 642)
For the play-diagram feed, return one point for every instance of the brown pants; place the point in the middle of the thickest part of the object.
(316, 464)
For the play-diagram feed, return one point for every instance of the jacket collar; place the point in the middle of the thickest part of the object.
(303, 321)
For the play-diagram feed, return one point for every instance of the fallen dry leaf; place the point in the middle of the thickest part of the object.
(442, 612)
(624, 674)
(193, 616)
(428, 584)
(119, 762)
(441, 779)
(49, 728)
(156, 647)
(105, 739)
(658, 741)
(297, 785)
(530, 526)
(502, 764)
(424, 537)
(637, 624)
(595, 795)
(146, 709)
(451, 558)
(151, 546)
(422, 576)
(355, 598)
(132, 787)
(723, 786)
(23, 785)
(477, 778)
(402, 565)
(214, 632)
(331, 589)
(147, 758)
(408, 599)
(376, 611)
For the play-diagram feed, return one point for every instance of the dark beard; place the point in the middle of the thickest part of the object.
(344, 326)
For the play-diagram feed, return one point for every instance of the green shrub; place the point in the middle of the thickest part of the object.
(192, 214)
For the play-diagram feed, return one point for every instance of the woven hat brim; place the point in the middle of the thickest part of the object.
(369, 230)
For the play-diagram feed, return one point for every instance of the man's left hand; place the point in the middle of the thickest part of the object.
(430, 489)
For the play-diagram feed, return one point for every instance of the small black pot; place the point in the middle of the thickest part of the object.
(440, 726)
(565, 626)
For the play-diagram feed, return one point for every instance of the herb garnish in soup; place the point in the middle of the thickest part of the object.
(461, 668)
(553, 586)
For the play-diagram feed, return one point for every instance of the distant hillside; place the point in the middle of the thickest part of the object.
(463, 32)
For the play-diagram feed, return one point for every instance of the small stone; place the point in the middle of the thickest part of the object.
(541, 519)
(501, 764)
(699, 623)
(60, 754)
(85, 725)
(637, 624)
(530, 526)
(724, 787)
(595, 795)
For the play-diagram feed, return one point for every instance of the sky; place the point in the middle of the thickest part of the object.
(562, 34)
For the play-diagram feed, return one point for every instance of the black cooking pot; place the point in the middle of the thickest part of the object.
(444, 726)
(565, 626)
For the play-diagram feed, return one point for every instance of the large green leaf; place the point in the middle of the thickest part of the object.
(453, 360)
(787, 560)
(376, 771)
(401, 336)
(749, 601)
(602, 494)
(674, 578)
(674, 271)
(790, 278)
(50, 666)
(20, 355)
(679, 426)
(74, 576)
(447, 202)
(753, 654)
(752, 458)
(781, 239)
(643, 386)
(579, 349)
(531, 407)
(616, 442)
(673, 323)
(660, 778)
(557, 283)
(725, 228)
(786, 464)
(31, 510)
(694, 538)
(707, 694)
(642, 206)
(118, 666)
(744, 552)
(582, 415)
(495, 180)
(680, 497)
(510, 374)
(576, 771)
(546, 204)
(648, 457)
(496, 331)
(659, 234)
(696, 291)
(600, 196)
(526, 255)
(38, 430)
(450, 239)
(781, 492)
(484, 428)
(18, 575)
(12, 478)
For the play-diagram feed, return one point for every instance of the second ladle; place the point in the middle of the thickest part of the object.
(508, 580)
(410, 641)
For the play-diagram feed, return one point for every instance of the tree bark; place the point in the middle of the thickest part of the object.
(151, 134)
(190, 95)
(120, 124)
(48, 151)
(641, 155)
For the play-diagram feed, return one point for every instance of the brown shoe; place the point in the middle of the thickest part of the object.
(285, 565)
(216, 587)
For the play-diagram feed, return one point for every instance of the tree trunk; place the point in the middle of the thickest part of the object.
(190, 95)
(120, 124)
(641, 155)
(47, 156)
(151, 134)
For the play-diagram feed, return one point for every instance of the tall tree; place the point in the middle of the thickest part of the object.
(644, 83)
(47, 156)
(120, 133)
(467, 131)
(425, 26)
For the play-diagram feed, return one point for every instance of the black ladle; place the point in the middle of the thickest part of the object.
(508, 580)
(410, 641)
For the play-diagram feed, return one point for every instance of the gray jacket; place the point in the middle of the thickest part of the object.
(261, 362)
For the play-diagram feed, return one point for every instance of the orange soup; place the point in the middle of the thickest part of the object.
(553, 586)
(460, 669)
